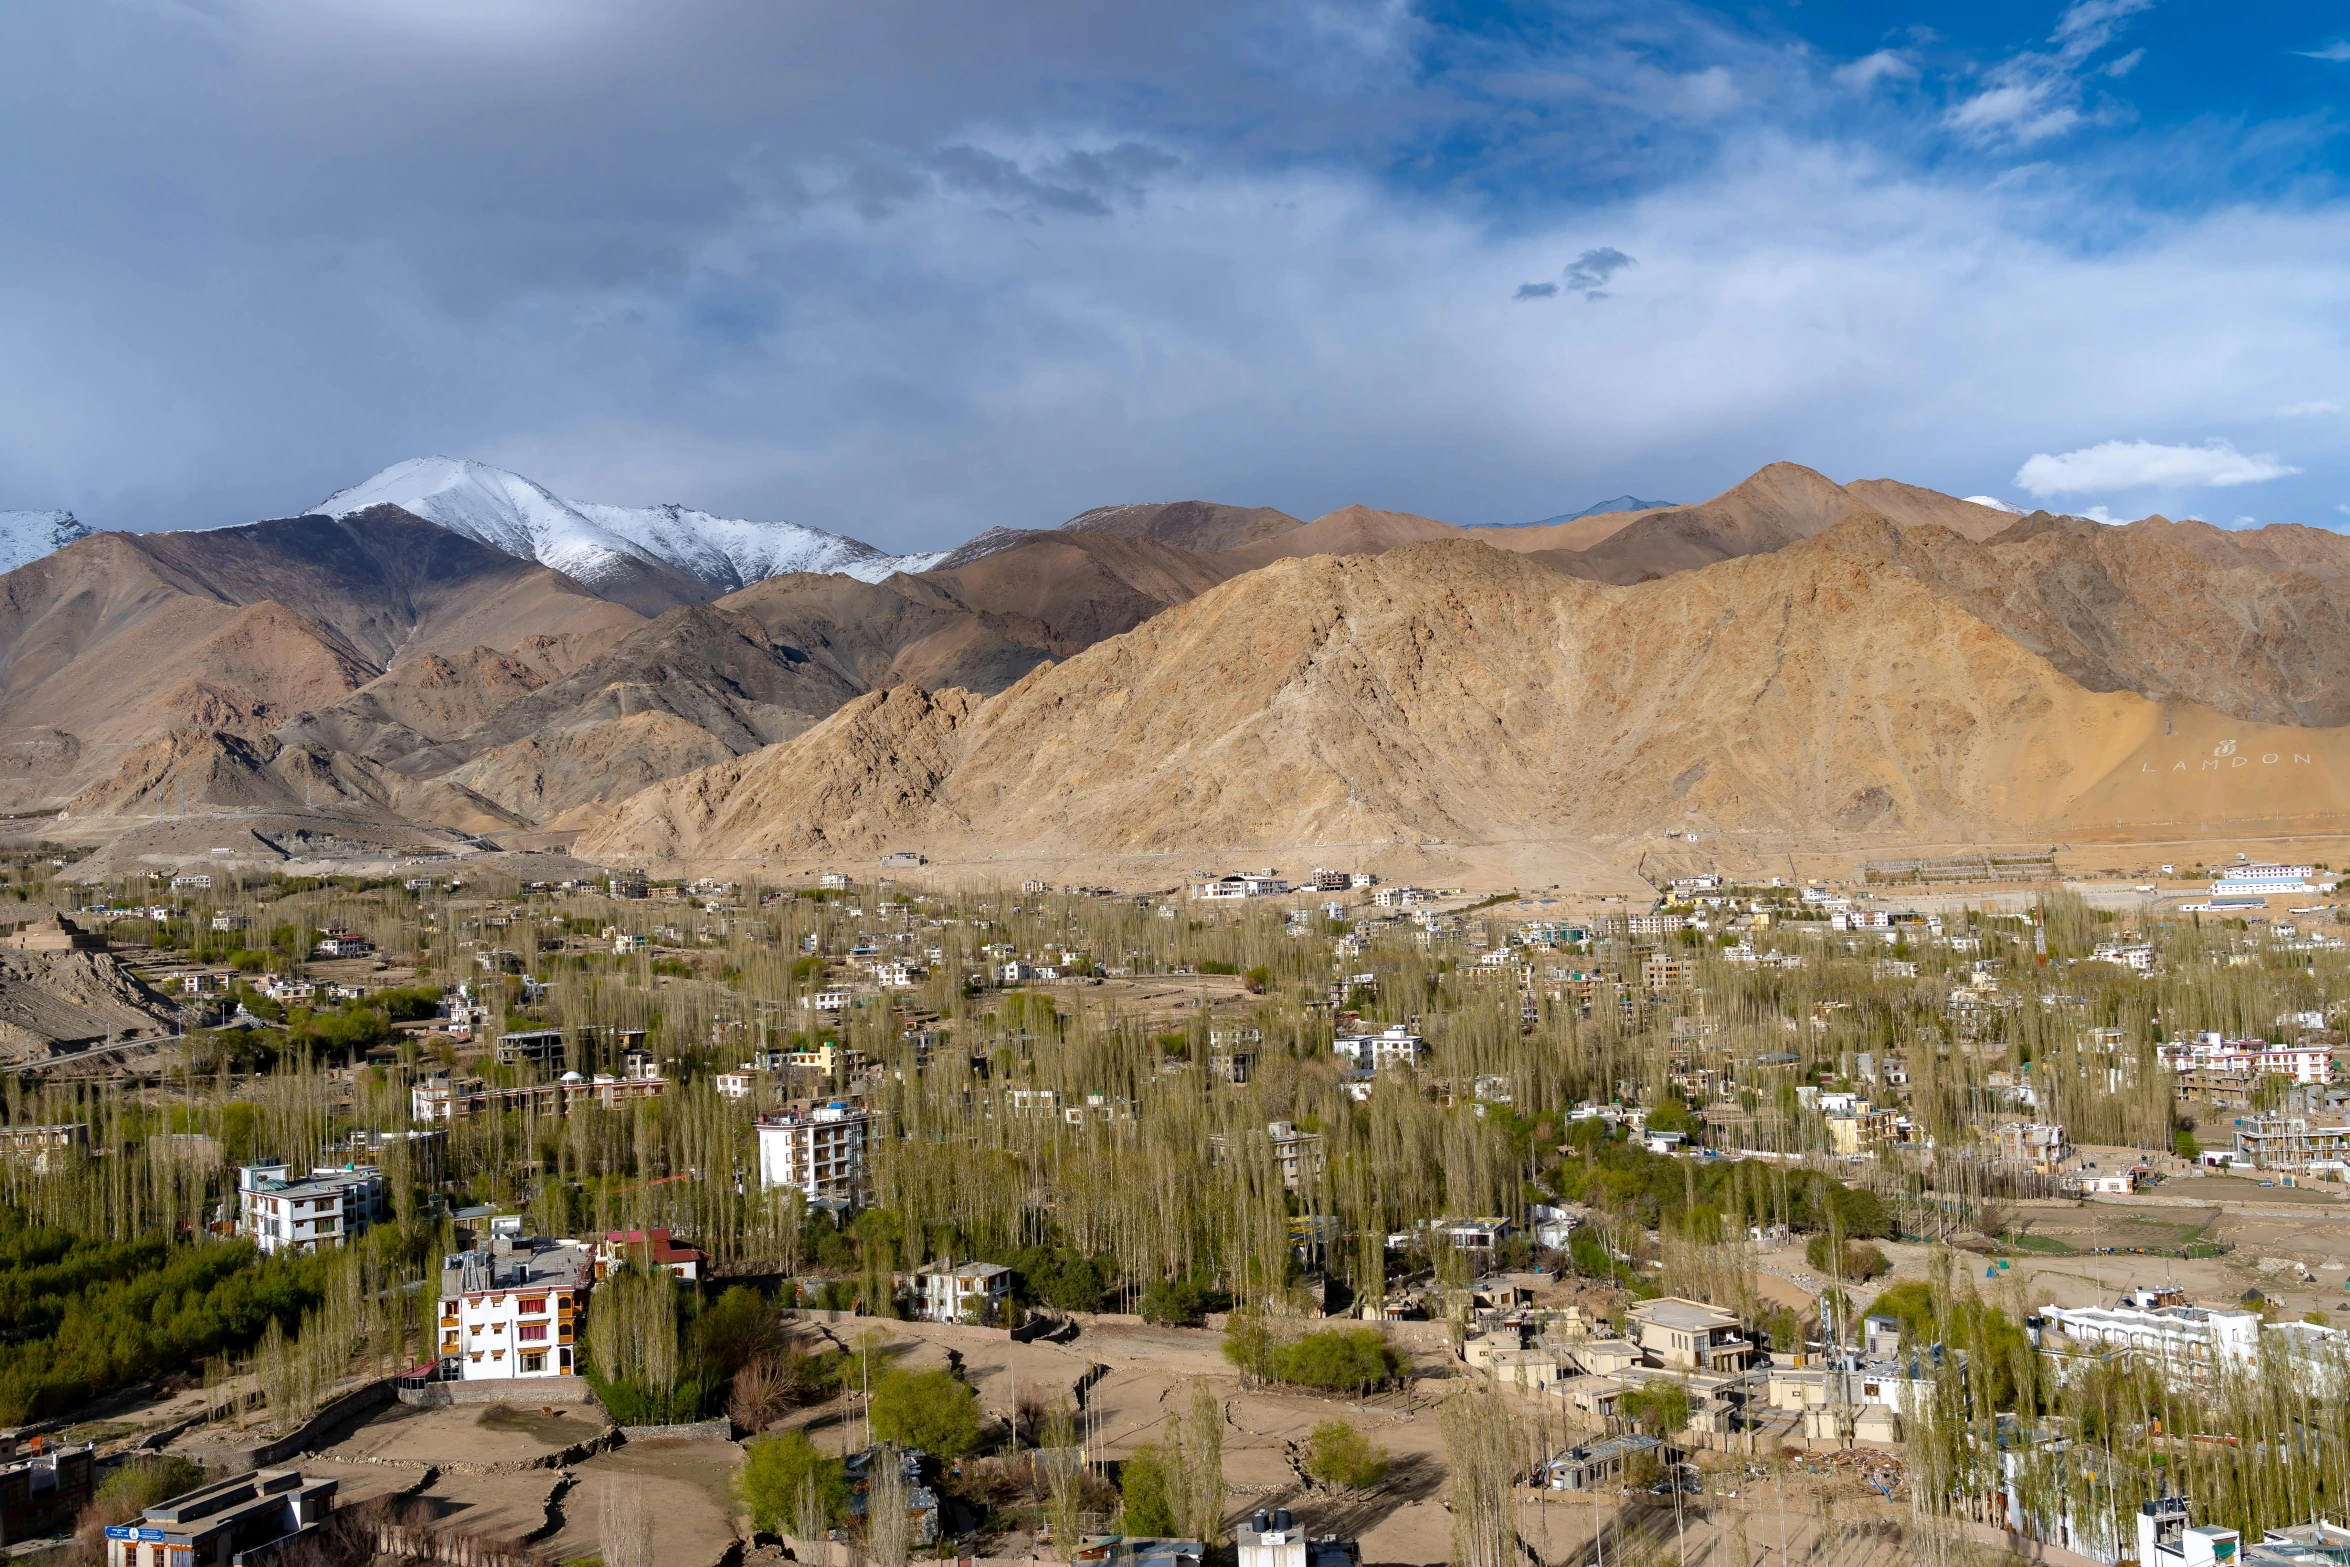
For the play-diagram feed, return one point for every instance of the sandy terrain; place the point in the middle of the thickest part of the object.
(687, 1484)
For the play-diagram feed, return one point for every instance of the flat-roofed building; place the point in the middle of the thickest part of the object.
(1689, 1335)
(219, 1523)
(324, 1208)
(818, 1150)
(43, 1494)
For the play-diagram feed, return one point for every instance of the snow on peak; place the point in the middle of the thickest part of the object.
(591, 542)
(26, 536)
(1995, 503)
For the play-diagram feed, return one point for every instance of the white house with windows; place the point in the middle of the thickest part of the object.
(322, 1209)
(1393, 1046)
(513, 1310)
(968, 1292)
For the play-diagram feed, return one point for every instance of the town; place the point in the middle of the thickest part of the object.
(1290, 1221)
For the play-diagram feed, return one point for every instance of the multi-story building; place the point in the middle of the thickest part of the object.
(817, 1150)
(969, 1292)
(2043, 1146)
(2290, 1142)
(513, 1310)
(43, 1494)
(1298, 1154)
(1395, 1045)
(2211, 1054)
(1660, 974)
(223, 1521)
(323, 1209)
(440, 1100)
(2187, 1343)
(2263, 881)
(544, 1045)
(45, 1147)
(1689, 1335)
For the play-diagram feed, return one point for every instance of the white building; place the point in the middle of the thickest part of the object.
(1243, 884)
(323, 1209)
(819, 1152)
(1395, 1045)
(2210, 1052)
(2188, 1343)
(513, 1311)
(970, 1292)
(2262, 881)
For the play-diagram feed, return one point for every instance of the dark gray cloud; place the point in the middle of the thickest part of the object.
(1536, 291)
(1588, 273)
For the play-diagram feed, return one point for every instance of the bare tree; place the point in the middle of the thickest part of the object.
(888, 1535)
(1482, 1449)
(625, 1525)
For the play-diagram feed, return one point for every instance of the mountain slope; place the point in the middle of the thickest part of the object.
(26, 536)
(2125, 609)
(663, 555)
(1450, 691)
(119, 639)
(1202, 526)
(1772, 508)
(1607, 508)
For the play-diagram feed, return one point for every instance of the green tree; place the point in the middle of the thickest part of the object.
(1662, 1407)
(931, 1410)
(1357, 1359)
(1338, 1454)
(1142, 1489)
(781, 1475)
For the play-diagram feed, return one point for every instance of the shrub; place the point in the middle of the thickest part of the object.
(1142, 1489)
(1338, 1454)
(1338, 1359)
(781, 1473)
(1662, 1407)
(1177, 1303)
(930, 1410)
(1858, 1264)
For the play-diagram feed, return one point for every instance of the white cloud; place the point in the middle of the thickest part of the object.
(1886, 65)
(2100, 514)
(2137, 465)
(2337, 52)
(2037, 94)
(2308, 410)
(1995, 503)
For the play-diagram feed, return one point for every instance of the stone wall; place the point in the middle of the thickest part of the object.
(236, 1456)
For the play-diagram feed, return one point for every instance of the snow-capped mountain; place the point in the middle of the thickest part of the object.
(26, 536)
(590, 542)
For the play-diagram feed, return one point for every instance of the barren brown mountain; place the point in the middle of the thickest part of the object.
(1200, 526)
(1350, 530)
(1798, 656)
(119, 640)
(1771, 509)
(2127, 609)
(1451, 691)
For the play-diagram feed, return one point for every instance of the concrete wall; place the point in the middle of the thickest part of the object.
(511, 1390)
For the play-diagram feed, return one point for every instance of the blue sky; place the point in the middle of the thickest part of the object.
(909, 271)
